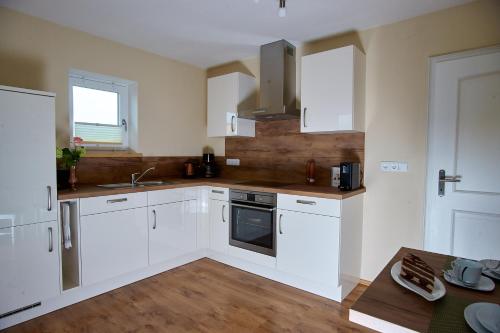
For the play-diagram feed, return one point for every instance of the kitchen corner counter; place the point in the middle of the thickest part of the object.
(91, 190)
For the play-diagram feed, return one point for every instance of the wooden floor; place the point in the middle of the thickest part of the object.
(203, 296)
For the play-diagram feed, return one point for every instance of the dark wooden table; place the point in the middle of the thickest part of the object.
(388, 307)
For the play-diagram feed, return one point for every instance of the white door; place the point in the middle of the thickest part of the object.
(219, 225)
(308, 246)
(113, 244)
(28, 191)
(172, 230)
(29, 261)
(464, 140)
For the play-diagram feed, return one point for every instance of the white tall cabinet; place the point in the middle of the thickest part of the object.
(226, 94)
(29, 247)
(333, 91)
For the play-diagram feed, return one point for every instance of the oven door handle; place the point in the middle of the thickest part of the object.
(253, 207)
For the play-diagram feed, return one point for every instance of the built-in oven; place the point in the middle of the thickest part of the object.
(252, 221)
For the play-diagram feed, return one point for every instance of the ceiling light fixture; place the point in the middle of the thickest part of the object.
(282, 10)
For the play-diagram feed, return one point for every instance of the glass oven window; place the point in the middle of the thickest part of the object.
(252, 226)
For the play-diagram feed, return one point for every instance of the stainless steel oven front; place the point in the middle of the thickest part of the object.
(252, 223)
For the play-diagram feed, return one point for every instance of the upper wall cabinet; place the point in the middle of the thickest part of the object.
(226, 95)
(333, 91)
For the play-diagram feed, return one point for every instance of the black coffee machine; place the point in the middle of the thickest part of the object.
(208, 167)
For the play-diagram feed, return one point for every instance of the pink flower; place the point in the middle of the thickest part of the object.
(77, 140)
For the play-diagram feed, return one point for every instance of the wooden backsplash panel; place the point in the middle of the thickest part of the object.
(280, 152)
(99, 170)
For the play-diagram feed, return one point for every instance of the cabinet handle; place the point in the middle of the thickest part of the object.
(111, 201)
(304, 117)
(49, 198)
(223, 219)
(232, 123)
(217, 191)
(51, 240)
(154, 219)
(305, 202)
(279, 224)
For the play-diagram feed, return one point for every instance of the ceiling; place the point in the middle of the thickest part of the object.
(207, 33)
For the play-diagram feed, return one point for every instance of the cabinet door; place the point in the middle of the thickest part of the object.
(113, 244)
(221, 105)
(29, 261)
(28, 191)
(308, 246)
(172, 230)
(327, 87)
(219, 225)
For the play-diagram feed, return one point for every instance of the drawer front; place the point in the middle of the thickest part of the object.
(191, 193)
(165, 196)
(312, 205)
(219, 193)
(111, 203)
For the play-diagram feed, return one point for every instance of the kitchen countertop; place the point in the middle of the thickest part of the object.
(91, 190)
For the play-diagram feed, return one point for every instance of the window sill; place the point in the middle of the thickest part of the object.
(111, 153)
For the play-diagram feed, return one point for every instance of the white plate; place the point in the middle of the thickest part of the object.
(489, 316)
(470, 315)
(439, 288)
(485, 283)
(491, 274)
(492, 265)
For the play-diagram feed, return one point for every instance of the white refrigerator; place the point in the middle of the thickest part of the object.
(29, 235)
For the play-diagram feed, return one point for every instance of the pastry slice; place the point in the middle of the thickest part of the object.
(416, 271)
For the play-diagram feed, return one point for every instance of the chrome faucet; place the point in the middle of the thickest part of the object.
(134, 180)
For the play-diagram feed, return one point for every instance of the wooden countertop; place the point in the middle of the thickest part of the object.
(90, 190)
(390, 307)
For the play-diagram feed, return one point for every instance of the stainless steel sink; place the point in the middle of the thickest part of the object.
(154, 183)
(138, 184)
(120, 185)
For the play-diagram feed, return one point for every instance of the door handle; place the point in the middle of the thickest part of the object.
(443, 178)
(279, 224)
(304, 117)
(154, 219)
(217, 191)
(223, 219)
(49, 198)
(51, 240)
(232, 123)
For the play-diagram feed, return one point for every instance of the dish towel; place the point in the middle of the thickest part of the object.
(66, 225)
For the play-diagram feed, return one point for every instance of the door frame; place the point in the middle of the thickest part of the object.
(431, 112)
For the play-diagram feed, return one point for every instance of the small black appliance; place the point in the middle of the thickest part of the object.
(208, 167)
(350, 176)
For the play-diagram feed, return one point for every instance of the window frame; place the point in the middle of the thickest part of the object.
(103, 83)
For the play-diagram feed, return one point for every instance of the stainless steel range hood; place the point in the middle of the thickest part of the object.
(277, 83)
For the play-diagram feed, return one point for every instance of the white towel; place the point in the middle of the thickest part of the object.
(66, 219)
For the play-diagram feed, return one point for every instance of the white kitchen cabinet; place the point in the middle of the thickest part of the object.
(219, 225)
(333, 91)
(226, 95)
(29, 261)
(113, 243)
(172, 230)
(28, 190)
(308, 246)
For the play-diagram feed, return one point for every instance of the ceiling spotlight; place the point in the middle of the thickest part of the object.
(282, 10)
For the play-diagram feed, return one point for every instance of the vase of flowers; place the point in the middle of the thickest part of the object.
(69, 158)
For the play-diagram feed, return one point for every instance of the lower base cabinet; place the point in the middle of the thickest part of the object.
(113, 243)
(29, 265)
(219, 225)
(308, 246)
(172, 230)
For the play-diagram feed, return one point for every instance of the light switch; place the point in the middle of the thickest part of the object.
(393, 166)
(233, 161)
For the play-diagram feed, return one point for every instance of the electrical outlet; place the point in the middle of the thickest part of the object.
(233, 161)
(393, 166)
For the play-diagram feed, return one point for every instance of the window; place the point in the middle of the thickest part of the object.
(99, 110)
